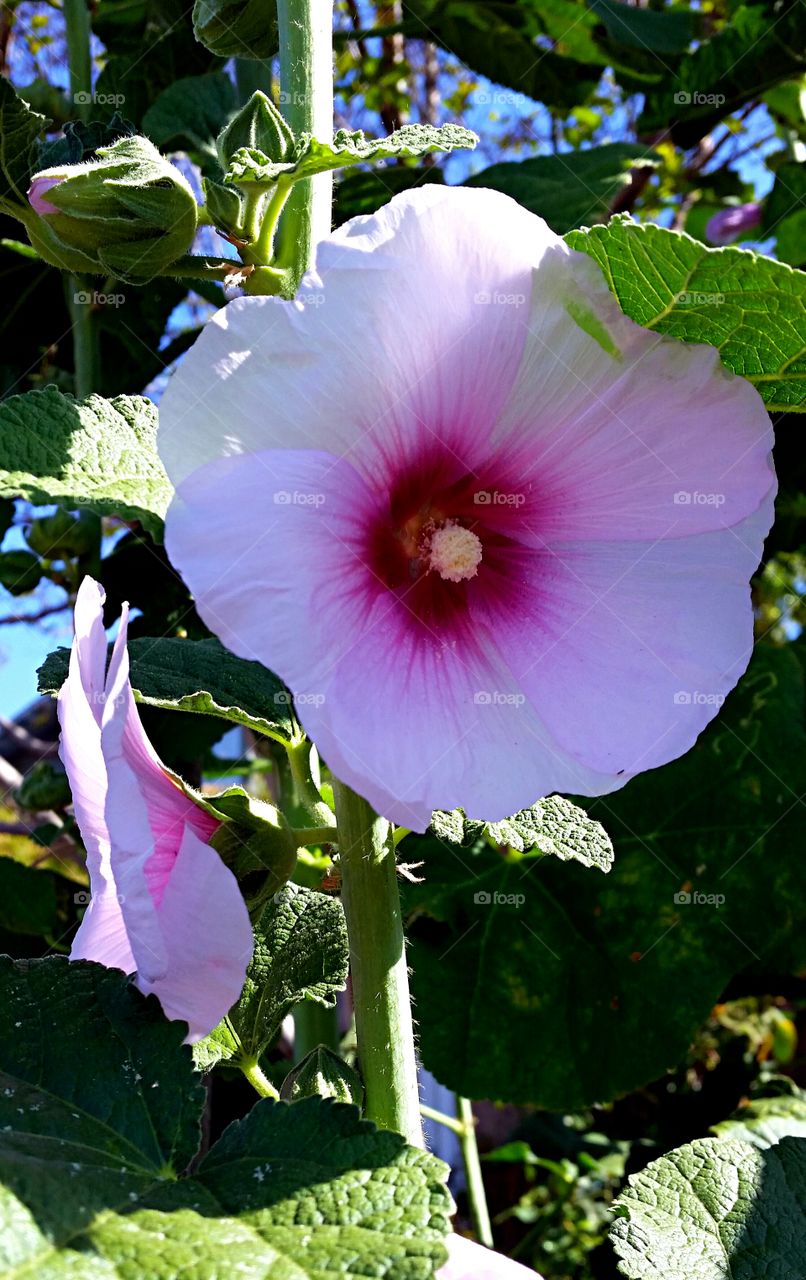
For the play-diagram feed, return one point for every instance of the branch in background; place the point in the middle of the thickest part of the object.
(28, 740)
(355, 18)
(11, 618)
(707, 148)
(393, 52)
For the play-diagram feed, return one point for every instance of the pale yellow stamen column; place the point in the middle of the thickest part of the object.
(455, 553)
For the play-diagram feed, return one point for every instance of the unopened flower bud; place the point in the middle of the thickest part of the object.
(128, 212)
(258, 125)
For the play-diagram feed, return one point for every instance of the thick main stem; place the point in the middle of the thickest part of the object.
(85, 336)
(306, 86)
(79, 55)
(384, 1026)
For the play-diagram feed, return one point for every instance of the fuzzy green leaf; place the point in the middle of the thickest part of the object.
(99, 1120)
(552, 826)
(765, 1121)
(95, 453)
(250, 165)
(752, 309)
(301, 953)
(714, 1209)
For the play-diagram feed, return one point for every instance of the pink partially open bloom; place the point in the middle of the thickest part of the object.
(163, 903)
(469, 1261)
(37, 195)
(727, 225)
(496, 537)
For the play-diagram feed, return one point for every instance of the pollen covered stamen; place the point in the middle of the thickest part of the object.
(454, 552)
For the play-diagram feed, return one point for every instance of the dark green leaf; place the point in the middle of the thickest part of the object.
(27, 900)
(537, 981)
(199, 676)
(785, 214)
(20, 127)
(364, 191)
(569, 190)
(189, 115)
(757, 48)
(20, 571)
(499, 40)
(664, 31)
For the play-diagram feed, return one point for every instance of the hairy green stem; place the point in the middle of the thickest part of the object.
(314, 1024)
(316, 835)
(384, 1026)
(449, 1122)
(77, 37)
(259, 1082)
(308, 794)
(476, 1195)
(86, 359)
(306, 84)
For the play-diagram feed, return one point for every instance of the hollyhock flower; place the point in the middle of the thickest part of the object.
(469, 1261)
(496, 537)
(163, 903)
(727, 225)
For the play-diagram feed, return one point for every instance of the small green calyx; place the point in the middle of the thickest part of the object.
(128, 212)
(322, 1073)
(257, 125)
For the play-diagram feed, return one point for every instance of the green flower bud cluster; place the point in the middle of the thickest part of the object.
(128, 212)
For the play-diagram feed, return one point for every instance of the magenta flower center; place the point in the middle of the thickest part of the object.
(445, 532)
